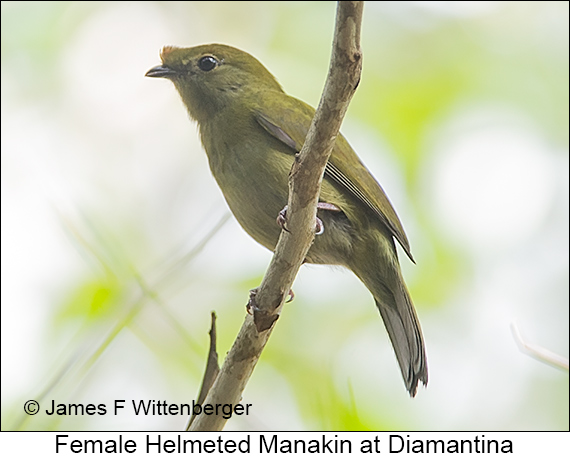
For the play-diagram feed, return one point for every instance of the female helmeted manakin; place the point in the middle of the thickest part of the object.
(251, 131)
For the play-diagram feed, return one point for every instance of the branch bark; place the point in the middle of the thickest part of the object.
(304, 188)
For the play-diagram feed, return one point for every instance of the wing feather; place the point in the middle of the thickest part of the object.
(290, 126)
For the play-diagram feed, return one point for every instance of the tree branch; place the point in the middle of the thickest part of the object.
(538, 352)
(304, 188)
(211, 371)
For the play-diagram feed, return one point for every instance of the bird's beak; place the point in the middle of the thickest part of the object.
(161, 71)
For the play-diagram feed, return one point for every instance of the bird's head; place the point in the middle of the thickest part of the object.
(211, 76)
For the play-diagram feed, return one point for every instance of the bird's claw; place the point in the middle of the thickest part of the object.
(328, 207)
(282, 218)
(319, 228)
(251, 306)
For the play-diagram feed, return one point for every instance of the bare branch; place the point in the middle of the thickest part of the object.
(211, 371)
(538, 352)
(304, 188)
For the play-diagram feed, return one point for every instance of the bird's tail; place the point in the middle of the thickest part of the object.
(384, 279)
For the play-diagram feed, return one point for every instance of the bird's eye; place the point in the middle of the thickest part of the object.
(207, 63)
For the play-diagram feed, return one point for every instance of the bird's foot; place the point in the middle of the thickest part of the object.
(263, 318)
(326, 207)
(251, 306)
(320, 227)
(282, 218)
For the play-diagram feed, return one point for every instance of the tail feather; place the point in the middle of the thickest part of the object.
(382, 276)
(406, 336)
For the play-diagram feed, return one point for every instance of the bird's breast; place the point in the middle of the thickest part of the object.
(253, 177)
(254, 181)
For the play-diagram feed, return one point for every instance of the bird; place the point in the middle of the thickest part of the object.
(251, 131)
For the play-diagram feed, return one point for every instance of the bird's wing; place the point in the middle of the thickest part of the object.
(289, 123)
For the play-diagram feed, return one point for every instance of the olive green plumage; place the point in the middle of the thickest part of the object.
(251, 131)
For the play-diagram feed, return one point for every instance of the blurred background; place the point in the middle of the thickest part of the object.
(117, 243)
